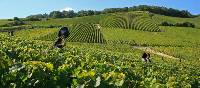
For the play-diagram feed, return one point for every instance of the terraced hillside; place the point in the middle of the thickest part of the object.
(131, 21)
(102, 54)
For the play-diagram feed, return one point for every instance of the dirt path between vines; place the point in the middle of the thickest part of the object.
(147, 49)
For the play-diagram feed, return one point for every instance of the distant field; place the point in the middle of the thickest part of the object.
(172, 36)
(68, 21)
(161, 18)
(2, 22)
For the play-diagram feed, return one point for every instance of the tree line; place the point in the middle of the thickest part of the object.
(153, 9)
(15, 22)
(63, 14)
(184, 24)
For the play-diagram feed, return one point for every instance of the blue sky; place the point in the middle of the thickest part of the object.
(23, 8)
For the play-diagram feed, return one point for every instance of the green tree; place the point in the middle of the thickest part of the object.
(56, 14)
(69, 14)
(17, 22)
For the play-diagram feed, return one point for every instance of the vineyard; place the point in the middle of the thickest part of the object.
(100, 52)
(35, 64)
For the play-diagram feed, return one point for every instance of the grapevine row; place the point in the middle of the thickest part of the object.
(131, 21)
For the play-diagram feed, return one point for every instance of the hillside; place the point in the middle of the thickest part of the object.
(102, 51)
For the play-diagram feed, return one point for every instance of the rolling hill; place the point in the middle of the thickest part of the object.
(102, 51)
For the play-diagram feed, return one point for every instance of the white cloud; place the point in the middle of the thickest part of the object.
(66, 9)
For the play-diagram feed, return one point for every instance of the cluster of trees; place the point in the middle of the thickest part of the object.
(114, 10)
(152, 9)
(63, 14)
(37, 17)
(184, 24)
(16, 22)
(163, 11)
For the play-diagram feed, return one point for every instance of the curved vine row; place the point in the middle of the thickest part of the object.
(131, 21)
(83, 32)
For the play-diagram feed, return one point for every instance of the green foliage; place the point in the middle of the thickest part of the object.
(101, 57)
(163, 11)
(37, 17)
(17, 22)
(56, 14)
(30, 63)
(69, 14)
(165, 23)
(184, 24)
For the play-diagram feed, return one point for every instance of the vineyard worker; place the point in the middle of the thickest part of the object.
(62, 35)
(64, 31)
(12, 33)
(146, 57)
(59, 43)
